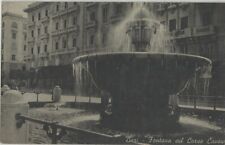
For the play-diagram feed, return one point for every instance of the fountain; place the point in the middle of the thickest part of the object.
(139, 82)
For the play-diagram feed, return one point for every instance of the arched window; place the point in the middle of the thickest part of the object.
(14, 25)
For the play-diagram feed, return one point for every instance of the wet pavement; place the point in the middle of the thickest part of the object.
(189, 131)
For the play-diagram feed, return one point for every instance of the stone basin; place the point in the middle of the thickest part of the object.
(139, 83)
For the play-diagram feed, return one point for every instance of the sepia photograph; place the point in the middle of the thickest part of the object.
(112, 72)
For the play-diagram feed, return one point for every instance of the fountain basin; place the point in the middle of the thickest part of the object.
(139, 83)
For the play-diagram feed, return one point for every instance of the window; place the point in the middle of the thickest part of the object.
(25, 47)
(74, 20)
(74, 42)
(14, 25)
(163, 23)
(13, 35)
(38, 31)
(3, 34)
(2, 45)
(184, 49)
(32, 50)
(14, 46)
(56, 45)
(39, 16)
(24, 68)
(2, 57)
(104, 37)
(118, 8)
(24, 26)
(206, 18)
(46, 48)
(46, 29)
(64, 43)
(25, 36)
(172, 25)
(3, 24)
(105, 13)
(91, 40)
(46, 13)
(74, 3)
(184, 22)
(32, 18)
(92, 16)
(32, 33)
(66, 5)
(65, 23)
(13, 57)
(38, 49)
(57, 7)
(57, 26)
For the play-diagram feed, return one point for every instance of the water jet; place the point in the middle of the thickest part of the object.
(138, 81)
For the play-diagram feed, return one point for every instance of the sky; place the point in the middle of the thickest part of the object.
(16, 7)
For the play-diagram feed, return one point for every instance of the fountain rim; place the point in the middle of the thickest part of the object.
(78, 58)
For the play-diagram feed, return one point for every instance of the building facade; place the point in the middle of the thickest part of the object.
(14, 36)
(60, 31)
(199, 29)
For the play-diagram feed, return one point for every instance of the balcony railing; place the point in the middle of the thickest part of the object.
(204, 30)
(44, 54)
(45, 36)
(31, 40)
(172, 6)
(73, 28)
(30, 56)
(161, 8)
(91, 24)
(116, 17)
(66, 11)
(89, 4)
(66, 30)
(45, 19)
(63, 51)
(31, 24)
(187, 32)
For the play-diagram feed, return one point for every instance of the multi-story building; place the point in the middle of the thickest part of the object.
(14, 35)
(60, 31)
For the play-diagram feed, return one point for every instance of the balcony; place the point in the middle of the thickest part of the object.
(74, 8)
(172, 6)
(31, 24)
(44, 36)
(31, 40)
(45, 19)
(73, 28)
(56, 32)
(184, 4)
(44, 55)
(89, 4)
(66, 30)
(29, 57)
(181, 33)
(204, 30)
(63, 51)
(91, 24)
(161, 8)
(116, 17)
(66, 11)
